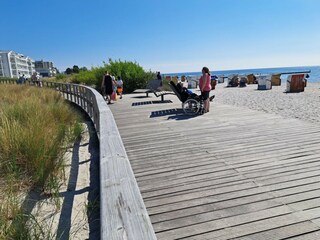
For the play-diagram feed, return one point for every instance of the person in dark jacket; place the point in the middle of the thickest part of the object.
(107, 86)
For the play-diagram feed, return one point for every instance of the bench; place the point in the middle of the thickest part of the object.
(155, 92)
(154, 86)
(162, 93)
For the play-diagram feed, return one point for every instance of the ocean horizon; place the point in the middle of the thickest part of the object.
(314, 75)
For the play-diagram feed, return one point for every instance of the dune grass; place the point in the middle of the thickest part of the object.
(35, 126)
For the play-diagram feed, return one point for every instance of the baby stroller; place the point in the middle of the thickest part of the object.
(192, 104)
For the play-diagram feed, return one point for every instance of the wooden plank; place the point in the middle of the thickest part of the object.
(193, 187)
(176, 161)
(213, 214)
(285, 232)
(212, 227)
(308, 236)
(258, 226)
(199, 194)
(262, 171)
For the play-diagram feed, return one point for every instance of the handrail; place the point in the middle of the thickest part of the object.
(123, 214)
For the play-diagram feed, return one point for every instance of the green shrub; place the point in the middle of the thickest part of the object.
(132, 74)
(86, 77)
(60, 76)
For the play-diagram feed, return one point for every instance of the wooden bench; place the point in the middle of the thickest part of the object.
(162, 93)
(156, 93)
(154, 86)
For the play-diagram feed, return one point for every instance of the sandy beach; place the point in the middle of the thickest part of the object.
(304, 105)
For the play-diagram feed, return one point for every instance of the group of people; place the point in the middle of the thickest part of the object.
(111, 87)
(35, 78)
(206, 84)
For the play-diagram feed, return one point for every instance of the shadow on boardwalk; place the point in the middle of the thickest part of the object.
(173, 114)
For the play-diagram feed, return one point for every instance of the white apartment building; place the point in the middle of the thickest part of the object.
(15, 64)
(45, 68)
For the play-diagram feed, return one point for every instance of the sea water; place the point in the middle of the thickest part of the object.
(314, 75)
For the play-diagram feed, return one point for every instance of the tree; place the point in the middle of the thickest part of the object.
(69, 71)
(83, 69)
(75, 69)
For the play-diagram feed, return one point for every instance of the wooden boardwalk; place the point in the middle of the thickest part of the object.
(233, 173)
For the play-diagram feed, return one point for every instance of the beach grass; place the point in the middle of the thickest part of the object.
(35, 127)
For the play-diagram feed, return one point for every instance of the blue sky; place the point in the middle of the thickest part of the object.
(165, 35)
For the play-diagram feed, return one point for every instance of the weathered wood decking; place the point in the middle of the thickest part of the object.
(233, 173)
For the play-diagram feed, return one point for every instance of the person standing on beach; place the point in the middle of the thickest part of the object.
(159, 76)
(205, 87)
(107, 86)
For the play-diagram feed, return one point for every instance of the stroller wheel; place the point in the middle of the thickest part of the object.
(191, 106)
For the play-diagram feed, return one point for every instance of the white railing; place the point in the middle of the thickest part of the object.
(123, 214)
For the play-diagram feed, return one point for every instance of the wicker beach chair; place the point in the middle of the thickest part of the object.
(251, 79)
(233, 81)
(264, 82)
(275, 79)
(296, 82)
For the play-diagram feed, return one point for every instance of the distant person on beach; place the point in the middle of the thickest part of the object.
(159, 76)
(205, 87)
(107, 86)
(120, 86)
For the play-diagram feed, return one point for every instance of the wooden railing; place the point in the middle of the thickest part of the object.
(123, 214)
